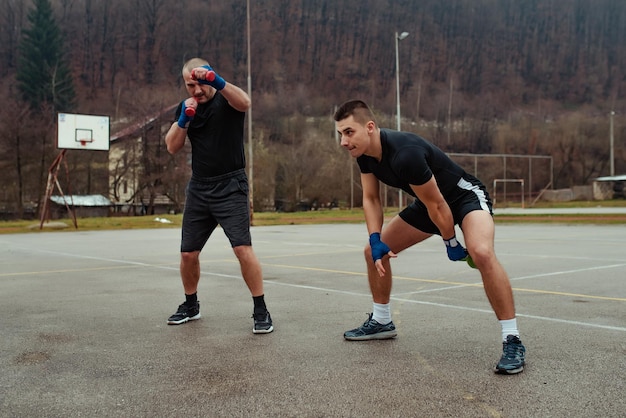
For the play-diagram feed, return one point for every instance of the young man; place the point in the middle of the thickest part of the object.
(445, 195)
(217, 193)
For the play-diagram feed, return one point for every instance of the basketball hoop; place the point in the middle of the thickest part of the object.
(83, 132)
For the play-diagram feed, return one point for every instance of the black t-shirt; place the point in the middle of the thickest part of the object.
(216, 136)
(410, 159)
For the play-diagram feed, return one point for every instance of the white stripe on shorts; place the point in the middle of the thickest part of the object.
(480, 194)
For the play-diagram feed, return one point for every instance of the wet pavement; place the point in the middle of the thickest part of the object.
(83, 327)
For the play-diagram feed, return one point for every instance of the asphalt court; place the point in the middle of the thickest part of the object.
(83, 332)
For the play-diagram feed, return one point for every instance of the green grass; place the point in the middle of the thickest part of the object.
(615, 203)
(175, 221)
(297, 218)
(89, 224)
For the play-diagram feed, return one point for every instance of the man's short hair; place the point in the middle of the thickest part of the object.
(358, 109)
(193, 63)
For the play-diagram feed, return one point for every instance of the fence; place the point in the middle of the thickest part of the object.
(534, 171)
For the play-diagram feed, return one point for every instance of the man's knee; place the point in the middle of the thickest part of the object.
(243, 252)
(189, 257)
(482, 255)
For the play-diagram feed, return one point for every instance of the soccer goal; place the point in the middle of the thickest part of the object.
(514, 195)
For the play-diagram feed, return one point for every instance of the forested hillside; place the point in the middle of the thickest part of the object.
(481, 76)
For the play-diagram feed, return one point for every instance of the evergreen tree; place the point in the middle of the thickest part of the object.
(43, 74)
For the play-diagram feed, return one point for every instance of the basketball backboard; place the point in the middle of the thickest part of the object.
(88, 132)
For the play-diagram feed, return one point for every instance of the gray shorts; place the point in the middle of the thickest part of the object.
(470, 195)
(221, 200)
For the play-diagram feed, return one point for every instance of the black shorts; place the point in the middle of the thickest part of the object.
(221, 200)
(470, 195)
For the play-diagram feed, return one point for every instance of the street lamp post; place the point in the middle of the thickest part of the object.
(397, 38)
(611, 156)
(250, 154)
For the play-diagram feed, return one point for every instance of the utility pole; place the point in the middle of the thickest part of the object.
(250, 154)
(611, 141)
(398, 37)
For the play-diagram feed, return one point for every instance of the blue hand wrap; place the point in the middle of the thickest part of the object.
(183, 119)
(217, 83)
(456, 252)
(379, 248)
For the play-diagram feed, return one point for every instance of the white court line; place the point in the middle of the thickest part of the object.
(534, 276)
(556, 273)
(449, 306)
(335, 291)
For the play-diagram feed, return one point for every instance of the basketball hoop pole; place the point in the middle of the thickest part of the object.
(52, 181)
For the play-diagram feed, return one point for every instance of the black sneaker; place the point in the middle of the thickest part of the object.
(185, 313)
(512, 360)
(262, 323)
(371, 330)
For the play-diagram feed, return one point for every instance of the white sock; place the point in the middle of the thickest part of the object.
(382, 313)
(509, 327)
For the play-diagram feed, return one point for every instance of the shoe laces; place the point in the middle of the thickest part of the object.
(511, 348)
(370, 322)
(260, 316)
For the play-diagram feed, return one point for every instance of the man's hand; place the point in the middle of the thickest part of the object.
(206, 75)
(456, 252)
(185, 115)
(379, 250)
